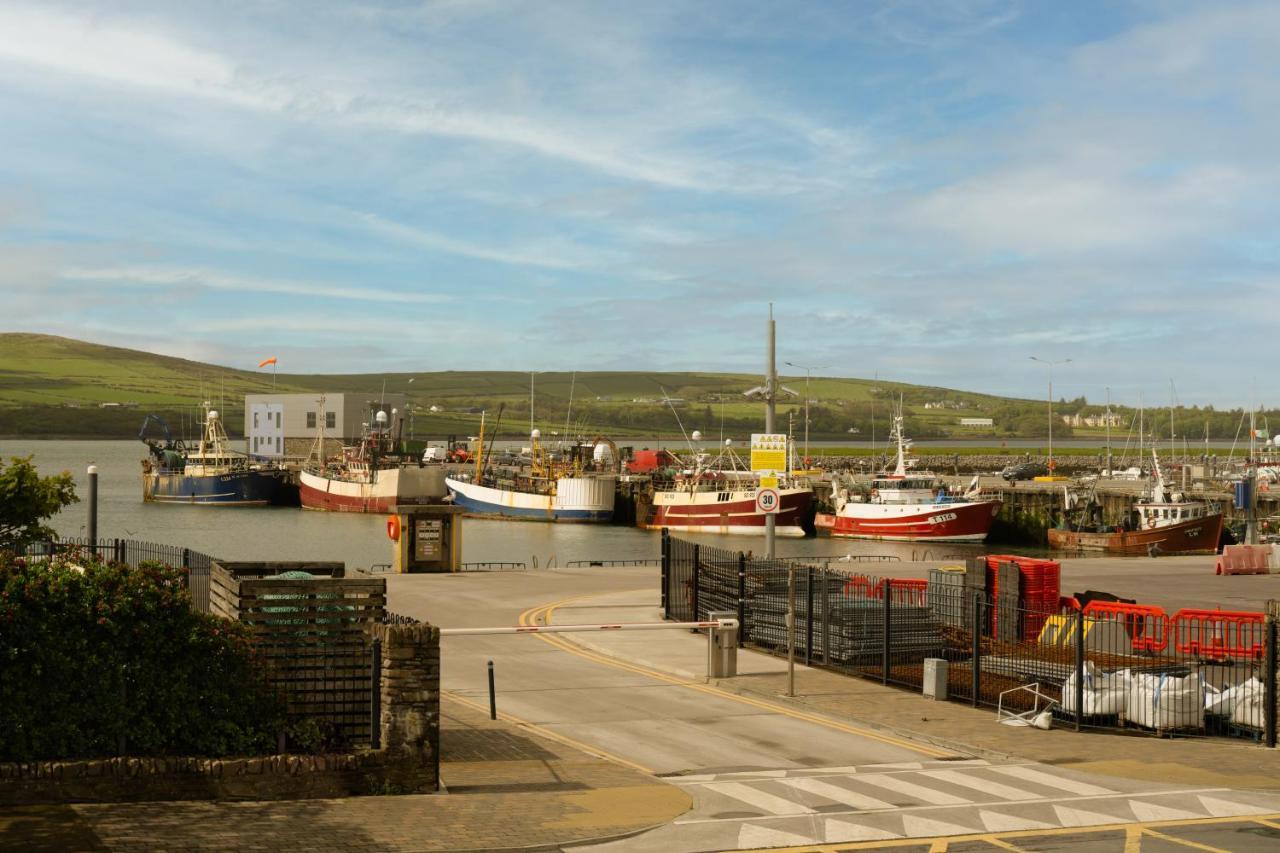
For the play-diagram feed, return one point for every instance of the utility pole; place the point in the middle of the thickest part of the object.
(1050, 364)
(770, 399)
(807, 372)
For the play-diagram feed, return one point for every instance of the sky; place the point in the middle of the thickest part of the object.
(928, 191)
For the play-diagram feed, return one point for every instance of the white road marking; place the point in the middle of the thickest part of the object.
(996, 822)
(753, 837)
(760, 799)
(1039, 777)
(995, 789)
(836, 793)
(1224, 808)
(1151, 811)
(1080, 817)
(842, 832)
(915, 826)
(911, 789)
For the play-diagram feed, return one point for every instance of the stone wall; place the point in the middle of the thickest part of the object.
(408, 760)
(410, 691)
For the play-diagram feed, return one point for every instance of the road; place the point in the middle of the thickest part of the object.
(765, 775)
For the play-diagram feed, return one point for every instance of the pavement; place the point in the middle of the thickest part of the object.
(616, 741)
(509, 787)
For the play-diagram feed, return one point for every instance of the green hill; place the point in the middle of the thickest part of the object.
(58, 387)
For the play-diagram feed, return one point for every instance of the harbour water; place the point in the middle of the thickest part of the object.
(279, 533)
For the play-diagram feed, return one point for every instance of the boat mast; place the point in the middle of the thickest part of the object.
(1110, 468)
(480, 450)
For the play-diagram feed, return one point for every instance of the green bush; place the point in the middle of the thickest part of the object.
(91, 652)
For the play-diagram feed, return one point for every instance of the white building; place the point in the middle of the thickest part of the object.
(977, 422)
(286, 425)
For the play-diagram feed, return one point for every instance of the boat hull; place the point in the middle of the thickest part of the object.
(951, 522)
(577, 499)
(390, 487)
(1198, 535)
(707, 512)
(235, 488)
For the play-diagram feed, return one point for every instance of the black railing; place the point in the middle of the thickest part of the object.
(495, 567)
(607, 563)
(132, 552)
(1201, 673)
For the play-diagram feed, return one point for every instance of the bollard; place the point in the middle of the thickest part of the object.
(493, 696)
(93, 508)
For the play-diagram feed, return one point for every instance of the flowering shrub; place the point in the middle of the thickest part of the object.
(90, 653)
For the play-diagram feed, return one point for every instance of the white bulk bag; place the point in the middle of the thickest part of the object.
(1249, 708)
(1166, 702)
(1105, 694)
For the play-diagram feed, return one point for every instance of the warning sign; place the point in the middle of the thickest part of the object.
(768, 452)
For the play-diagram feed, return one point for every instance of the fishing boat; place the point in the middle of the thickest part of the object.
(1163, 523)
(209, 473)
(574, 486)
(908, 506)
(719, 496)
(367, 477)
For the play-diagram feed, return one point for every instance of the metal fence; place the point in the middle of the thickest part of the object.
(1102, 665)
(132, 552)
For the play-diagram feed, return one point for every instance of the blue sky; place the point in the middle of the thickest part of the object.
(933, 191)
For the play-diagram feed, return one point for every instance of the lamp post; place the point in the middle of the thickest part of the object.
(1050, 363)
(807, 371)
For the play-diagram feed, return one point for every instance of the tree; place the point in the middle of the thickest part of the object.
(27, 500)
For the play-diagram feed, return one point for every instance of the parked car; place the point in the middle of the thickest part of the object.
(1024, 471)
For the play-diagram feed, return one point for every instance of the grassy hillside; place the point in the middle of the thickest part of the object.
(53, 386)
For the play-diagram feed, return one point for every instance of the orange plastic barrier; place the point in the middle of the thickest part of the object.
(1068, 605)
(1243, 560)
(1219, 634)
(1147, 627)
(861, 585)
(912, 591)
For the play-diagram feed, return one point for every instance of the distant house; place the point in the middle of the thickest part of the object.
(977, 422)
(108, 405)
(1113, 419)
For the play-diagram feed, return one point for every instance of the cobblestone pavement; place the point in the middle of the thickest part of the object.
(508, 787)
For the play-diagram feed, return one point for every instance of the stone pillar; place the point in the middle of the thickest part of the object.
(410, 690)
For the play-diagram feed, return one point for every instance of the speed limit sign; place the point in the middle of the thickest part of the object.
(768, 501)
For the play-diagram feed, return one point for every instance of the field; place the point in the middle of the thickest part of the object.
(58, 387)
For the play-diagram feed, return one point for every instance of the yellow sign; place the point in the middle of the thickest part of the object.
(768, 452)
(768, 481)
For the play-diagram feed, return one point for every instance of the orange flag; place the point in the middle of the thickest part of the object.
(267, 361)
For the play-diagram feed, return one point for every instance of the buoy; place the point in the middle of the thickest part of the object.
(393, 528)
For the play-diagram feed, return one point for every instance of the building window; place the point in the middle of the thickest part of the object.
(311, 420)
(277, 445)
(278, 419)
(330, 420)
(255, 420)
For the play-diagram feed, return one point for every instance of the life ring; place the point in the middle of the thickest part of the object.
(1152, 523)
(875, 492)
(393, 528)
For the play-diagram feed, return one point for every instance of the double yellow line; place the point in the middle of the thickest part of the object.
(542, 615)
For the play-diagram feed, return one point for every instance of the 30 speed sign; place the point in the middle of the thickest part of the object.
(768, 501)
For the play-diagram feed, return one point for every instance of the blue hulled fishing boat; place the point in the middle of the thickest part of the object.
(210, 473)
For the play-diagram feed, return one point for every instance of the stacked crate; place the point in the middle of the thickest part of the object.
(1035, 584)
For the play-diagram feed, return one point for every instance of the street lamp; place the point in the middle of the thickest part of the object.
(1050, 365)
(807, 371)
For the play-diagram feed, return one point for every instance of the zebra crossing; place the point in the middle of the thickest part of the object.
(750, 809)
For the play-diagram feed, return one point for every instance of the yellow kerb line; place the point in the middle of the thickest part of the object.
(529, 616)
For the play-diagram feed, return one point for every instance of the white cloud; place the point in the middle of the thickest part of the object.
(214, 280)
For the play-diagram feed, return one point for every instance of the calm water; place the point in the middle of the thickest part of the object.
(279, 533)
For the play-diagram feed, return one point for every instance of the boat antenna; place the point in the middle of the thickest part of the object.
(671, 406)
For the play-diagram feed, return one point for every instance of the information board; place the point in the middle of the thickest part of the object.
(768, 452)
(427, 539)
